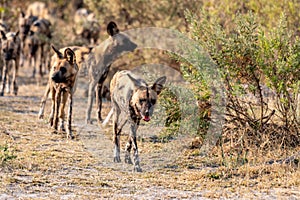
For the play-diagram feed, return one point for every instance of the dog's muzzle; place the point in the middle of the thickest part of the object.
(57, 77)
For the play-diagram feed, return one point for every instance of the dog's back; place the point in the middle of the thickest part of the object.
(42, 26)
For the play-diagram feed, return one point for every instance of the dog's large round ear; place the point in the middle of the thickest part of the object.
(112, 28)
(159, 84)
(58, 53)
(3, 36)
(70, 56)
(136, 82)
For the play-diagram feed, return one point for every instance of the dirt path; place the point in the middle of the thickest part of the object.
(49, 166)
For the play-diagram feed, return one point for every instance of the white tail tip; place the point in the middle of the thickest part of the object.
(107, 118)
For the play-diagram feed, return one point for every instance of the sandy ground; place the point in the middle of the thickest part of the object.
(50, 166)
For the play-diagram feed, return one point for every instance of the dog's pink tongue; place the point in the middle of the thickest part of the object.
(146, 118)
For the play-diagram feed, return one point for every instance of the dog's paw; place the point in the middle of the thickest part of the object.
(89, 121)
(70, 136)
(137, 168)
(62, 128)
(41, 116)
(117, 159)
(128, 160)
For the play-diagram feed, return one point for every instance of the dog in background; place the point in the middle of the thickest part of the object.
(5, 28)
(10, 53)
(86, 25)
(133, 97)
(66, 64)
(100, 60)
(36, 46)
(25, 22)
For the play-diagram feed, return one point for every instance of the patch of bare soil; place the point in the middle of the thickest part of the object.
(50, 166)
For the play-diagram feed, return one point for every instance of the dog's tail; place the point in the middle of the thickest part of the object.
(107, 117)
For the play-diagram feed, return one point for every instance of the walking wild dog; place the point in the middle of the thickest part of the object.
(36, 46)
(10, 52)
(134, 98)
(86, 25)
(100, 61)
(25, 23)
(65, 63)
(5, 28)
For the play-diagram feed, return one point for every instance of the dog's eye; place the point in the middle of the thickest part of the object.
(63, 70)
(153, 101)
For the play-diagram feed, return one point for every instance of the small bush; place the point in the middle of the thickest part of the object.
(251, 61)
(6, 153)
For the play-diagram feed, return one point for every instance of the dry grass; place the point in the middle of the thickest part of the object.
(47, 165)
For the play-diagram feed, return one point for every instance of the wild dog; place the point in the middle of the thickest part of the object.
(5, 28)
(10, 52)
(61, 84)
(134, 98)
(100, 60)
(36, 46)
(54, 84)
(25, 22)
(86, 25)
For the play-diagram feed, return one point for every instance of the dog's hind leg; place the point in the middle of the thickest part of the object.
(99, 95)
(116, 131)
(99, 102)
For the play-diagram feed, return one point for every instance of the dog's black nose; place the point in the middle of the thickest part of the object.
(56, 78)
(147, 113)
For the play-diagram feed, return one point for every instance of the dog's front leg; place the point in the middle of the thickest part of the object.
(61, 115)
(8, 76)
(14, 78)
(128, 149)
(4, 76)
(51, 117)
(69, 127)
(57, 104)
(91, 91)
(32, 63)
(136, 160)
(43, 101)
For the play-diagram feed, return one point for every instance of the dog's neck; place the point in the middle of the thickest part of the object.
(134, 113)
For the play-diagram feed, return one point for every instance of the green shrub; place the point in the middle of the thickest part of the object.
(6, 153)
(250, 58)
